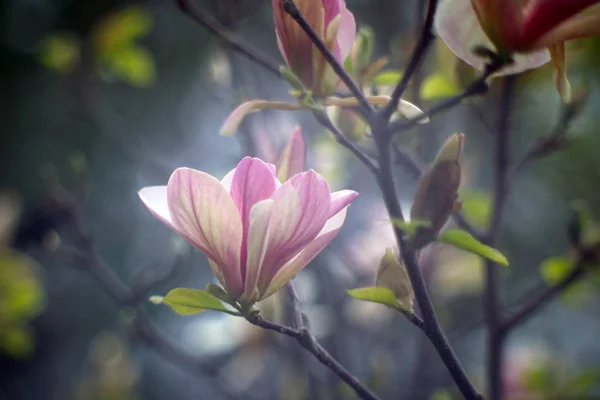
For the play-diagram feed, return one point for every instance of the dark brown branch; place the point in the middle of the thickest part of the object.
(533, 305)
(479, 86)
(236, 43)
(293, 11)
(296, 306)
(425, 40)
(308, 341)
(431, 326)
(324, 120)
(492, 306)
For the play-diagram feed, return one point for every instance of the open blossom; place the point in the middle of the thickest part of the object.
(334, 24)
(518, 26)
(256, 232)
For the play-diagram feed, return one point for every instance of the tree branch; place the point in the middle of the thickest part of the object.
(548, 294)
(492, 306)
(309, 342)
(415, 61)
(324, 120)
(237, 43)
(479, 86)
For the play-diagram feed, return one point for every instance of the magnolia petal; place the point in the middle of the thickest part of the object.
(577, 27)
(155, 200)
(258, 239)
(300, 211)
(409, 110)
(208, 218)
(227, 180)
(233, 121)
(293, 157)
(457, 25)
(295, 265)
(561, 80)
(253, 181)
(346, 35)
(543, 16)
(340, 200)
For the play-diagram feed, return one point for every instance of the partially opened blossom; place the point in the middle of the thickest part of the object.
(256, 232)
(335, 25)
(518, 26)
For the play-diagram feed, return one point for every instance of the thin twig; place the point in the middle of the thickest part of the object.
(308, 341)
(547, 145)
(324, 120)
(492, 306)
(221, 31)
(479, 86)
(414, 63)
(296, 306)
(542, 298)
(293, 11)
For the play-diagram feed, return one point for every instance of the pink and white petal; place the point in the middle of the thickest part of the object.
(409, 110)
(300, 211)
(253, 181)
(258, 239)
(340, 200)
(293, 157)
(208, 218)
(227, 179)
(295, 265)
(346, 34)
(457, 25)
(155, 200)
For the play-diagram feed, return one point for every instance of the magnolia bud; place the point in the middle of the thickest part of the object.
(392, 274)
(437, 192)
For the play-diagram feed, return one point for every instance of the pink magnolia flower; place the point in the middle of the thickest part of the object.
(334, 24)
(256, 232)
(527, 27)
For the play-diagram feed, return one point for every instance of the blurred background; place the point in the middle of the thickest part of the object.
(98, 99)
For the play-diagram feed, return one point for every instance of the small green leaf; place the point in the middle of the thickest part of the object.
(191, 301)
(583, 383)
(555, 269)
(438, 86)
(464, 241)
(218, 292)
(411, 227)
(59, 52)
(476, 207)
(379, 295)
(292, 79)
(388, 78)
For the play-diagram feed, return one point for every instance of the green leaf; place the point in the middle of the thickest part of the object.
(373, 294)
(191, 301)
(464, 241)
(410, 227)
(59, 52)
(133, 65)
(388, 78)
(218, 292)
(441, 395)
(438, 86)
(555, 269)
(476, 207)
(583, 383)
